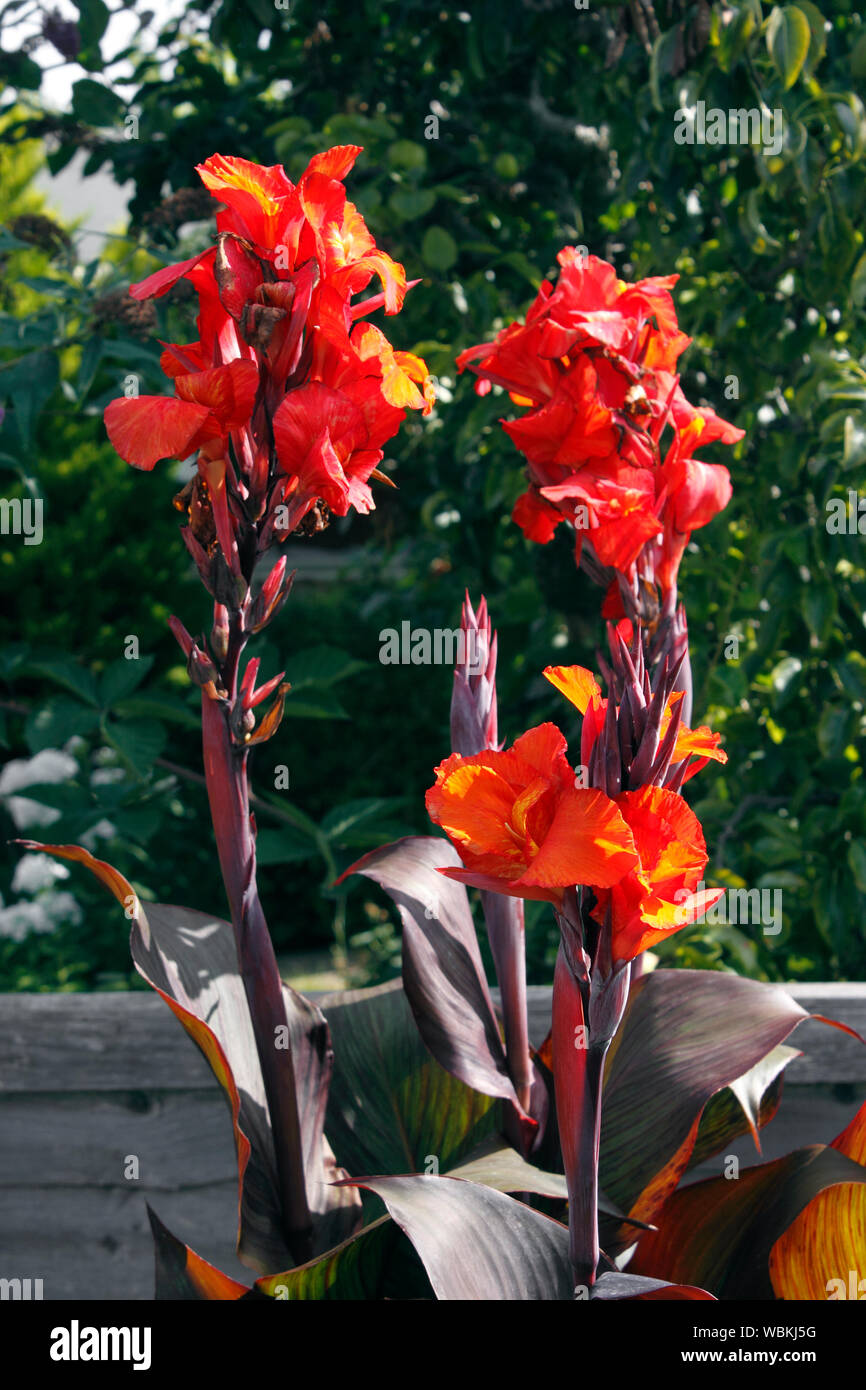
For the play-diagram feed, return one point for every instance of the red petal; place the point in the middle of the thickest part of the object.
(229, 391)
(144, 429)
(158, 284)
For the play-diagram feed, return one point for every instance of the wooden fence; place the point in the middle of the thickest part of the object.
(91, 1083)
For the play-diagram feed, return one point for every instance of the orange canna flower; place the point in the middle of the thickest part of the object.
(658, 897)
(521, 826)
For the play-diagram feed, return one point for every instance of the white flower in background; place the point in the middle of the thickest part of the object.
(51, 765)
(36, 872)
(42, 914)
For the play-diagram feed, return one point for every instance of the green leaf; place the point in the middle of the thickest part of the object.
(788, 38)
(340, 820)
(321, 665)
(96, 104)
(93, 17)
(857, 863)
(833, 731)
(817, 32)
(28, 383)
(734, 38)
(157, 707)
(439, 248)
(90, 358)
(661, 62)
(409, 203)
(122, 677)
(139, 742)
(819, 609)
(66, 673)
(283, 846)
(19, 71)
(57, 721)
(523, 265)
(407, 155)
(784, 672)
(324, 705)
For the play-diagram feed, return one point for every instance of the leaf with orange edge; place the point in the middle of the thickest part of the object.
(719, 1233)
(686, 1034)
(190, 959)
(374, 1264)
(828, 1239)
(182, 1275)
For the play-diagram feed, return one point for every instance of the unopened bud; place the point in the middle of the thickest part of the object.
(200, 667)
(219, 637)
(273, 595)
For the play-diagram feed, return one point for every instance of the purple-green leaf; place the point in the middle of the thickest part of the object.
(719, 1233)
(191, 960)
(392, 1108)
(476, 1243)
(636, 1287)
(685, 1035)
(443, 974)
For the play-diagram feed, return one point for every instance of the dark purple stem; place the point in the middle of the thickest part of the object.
(225, 766)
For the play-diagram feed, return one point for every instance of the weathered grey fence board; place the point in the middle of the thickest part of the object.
(109, 1042)
(84, 1139)
(96, 1244)
(88, 1080)
(95, 1042)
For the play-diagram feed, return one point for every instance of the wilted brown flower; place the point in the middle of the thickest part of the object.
(116, 306)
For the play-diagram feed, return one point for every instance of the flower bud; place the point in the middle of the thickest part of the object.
(219, 637)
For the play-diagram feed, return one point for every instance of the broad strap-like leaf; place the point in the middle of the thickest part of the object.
(685, 1035)
(443, 974)
(354, 1270)
(476, 1243)
(718, 1234)
(182, 1275)
(815, 1257)
(746, 1106)
(190, 960)
(496, 1164)
(391, 1107)
(636, 1288)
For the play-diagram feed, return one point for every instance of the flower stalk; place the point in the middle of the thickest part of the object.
(226, 777)
(474, 728)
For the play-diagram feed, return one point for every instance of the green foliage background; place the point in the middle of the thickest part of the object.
(491, 137)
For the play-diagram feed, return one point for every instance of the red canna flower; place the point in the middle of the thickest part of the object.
(208, 406)
(521, 826)
(594, 366)
(286, 398)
